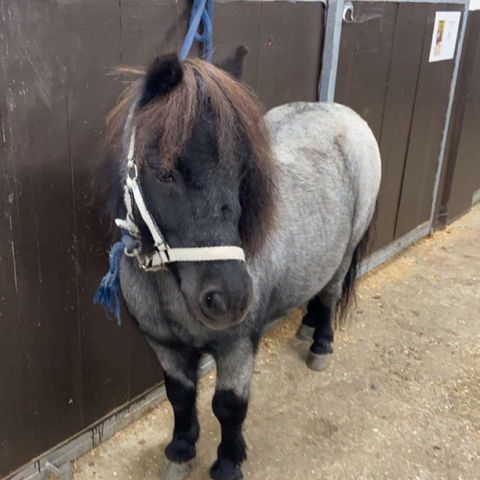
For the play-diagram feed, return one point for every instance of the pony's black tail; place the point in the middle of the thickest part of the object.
(348, 286)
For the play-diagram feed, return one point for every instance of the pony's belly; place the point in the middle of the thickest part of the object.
(296, 291)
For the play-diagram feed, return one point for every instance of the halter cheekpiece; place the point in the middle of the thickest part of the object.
(162, 253)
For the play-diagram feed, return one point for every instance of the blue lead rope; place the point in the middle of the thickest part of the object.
(202, 11)
(108, 292)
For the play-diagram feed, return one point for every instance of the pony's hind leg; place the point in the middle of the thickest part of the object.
(317, 326)
(323, 308)
(309, 322)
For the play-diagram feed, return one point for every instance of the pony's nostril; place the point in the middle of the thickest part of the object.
(214, 303)
(209, 300)
(226, 210)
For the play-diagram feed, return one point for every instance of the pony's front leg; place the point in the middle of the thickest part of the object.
(230, 404)
(180, 365)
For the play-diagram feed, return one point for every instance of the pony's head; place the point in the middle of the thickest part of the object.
(207, 175)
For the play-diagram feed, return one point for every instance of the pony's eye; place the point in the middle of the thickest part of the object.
(166, 177)
(161, 174)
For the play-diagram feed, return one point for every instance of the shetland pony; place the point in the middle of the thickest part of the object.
(296, 189)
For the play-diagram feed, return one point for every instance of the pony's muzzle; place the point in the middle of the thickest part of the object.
(224, 303)
(218, 293)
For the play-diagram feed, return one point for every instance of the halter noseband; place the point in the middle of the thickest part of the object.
(162, 253)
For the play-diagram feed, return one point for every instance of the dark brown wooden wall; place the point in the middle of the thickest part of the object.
(63, 365)
(462, 176)
(384, 75)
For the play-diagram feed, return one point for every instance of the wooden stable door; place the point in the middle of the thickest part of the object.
(462, 173)
(385, 75)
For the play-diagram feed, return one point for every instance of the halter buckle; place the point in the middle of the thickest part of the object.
(147, 265)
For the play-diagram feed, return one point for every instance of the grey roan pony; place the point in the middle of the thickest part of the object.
(295, 189)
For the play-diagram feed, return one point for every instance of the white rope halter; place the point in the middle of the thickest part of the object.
(162, 253)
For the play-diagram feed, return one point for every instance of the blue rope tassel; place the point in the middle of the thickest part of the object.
(108, 292)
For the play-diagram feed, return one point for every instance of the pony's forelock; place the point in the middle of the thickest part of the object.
(167, 123)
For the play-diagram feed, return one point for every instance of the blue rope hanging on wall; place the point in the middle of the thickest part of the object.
(202, 12)
(108, 292)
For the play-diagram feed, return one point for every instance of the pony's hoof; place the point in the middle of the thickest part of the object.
(225, 470)
(305, 333)
(318, 361)
(175, 471)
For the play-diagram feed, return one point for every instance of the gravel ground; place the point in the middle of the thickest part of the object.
(401, 399)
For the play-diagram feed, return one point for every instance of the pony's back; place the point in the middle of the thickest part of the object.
(329, 176)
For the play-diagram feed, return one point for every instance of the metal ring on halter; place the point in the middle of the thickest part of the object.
(132, 253)
(133, 247)
(132, 171)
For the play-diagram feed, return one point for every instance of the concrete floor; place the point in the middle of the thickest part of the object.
(401, 399)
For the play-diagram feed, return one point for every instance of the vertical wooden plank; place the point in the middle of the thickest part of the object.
(148, 28)
(13, 402)
(402, 82)
(364, 61)
(426, 133)
(290, 51)
(463, 169)
(43, 231)
(94, 50)
(235, 24)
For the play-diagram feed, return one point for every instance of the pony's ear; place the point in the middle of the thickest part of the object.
(233, 64)
(163, 75)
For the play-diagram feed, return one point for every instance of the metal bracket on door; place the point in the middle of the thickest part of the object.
(331, 46)
(347, 15)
